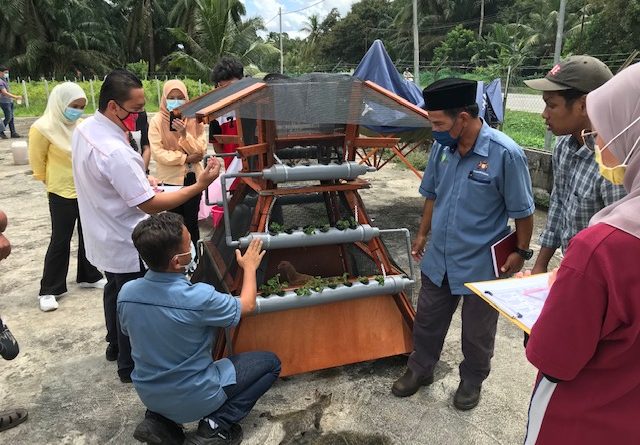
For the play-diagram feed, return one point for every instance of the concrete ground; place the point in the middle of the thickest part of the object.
(74, 396)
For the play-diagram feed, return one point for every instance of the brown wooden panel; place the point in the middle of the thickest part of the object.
(253, 150)
(227, 139)
(206, 114)
(351, 185)
(329, 335)
(381, 142)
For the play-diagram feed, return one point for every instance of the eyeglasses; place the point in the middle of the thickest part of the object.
(589, 138)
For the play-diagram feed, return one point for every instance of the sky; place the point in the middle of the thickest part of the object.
(293, 22)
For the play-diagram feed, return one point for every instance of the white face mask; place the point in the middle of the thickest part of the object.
(6, 75)
(191, 266)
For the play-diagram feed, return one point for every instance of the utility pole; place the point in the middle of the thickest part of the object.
(416, 45)
(481, 18)
(556, 57)
(281, 52)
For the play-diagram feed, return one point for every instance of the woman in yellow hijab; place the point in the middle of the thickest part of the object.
(50, 159)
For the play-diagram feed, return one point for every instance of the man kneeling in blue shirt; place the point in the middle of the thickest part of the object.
(170, 323)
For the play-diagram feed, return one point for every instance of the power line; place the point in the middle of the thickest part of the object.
(271, 20)
(302, 9)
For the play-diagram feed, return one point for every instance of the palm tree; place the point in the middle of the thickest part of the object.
(60, 37)
(217, 31)
(145, 19)
(312, 28)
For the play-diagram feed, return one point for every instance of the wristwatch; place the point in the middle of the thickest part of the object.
(525, 253)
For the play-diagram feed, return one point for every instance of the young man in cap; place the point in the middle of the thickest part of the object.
(476, 179)
(579, 191)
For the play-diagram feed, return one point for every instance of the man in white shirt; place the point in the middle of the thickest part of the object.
(114, 195)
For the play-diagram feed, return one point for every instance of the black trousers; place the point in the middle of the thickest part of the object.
(64, 215)
(436, 306)
(115, 281)
(189, 211)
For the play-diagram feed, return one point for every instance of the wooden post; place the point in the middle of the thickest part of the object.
(93, 94)
(158, 88)
(25, 96)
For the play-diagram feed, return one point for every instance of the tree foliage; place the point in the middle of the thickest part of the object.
(67, 37)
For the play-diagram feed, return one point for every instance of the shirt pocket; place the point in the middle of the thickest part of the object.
(584, 206)
(479, 176)
(480, 194)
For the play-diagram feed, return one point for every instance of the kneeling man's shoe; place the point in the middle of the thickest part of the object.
(215, 436)
(410, 383)
(467, 396)
(158, 430)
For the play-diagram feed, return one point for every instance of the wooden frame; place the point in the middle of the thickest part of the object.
(305, 338)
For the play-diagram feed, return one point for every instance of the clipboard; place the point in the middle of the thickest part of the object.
(519, 300)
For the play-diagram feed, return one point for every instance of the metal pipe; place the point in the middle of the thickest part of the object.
(283, 173)
(407, 235)
(298, 152)
(225, 214)
(362, 233)
(393, 284)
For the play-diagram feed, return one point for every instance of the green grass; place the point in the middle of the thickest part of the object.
(418, 158)
(36, 92)
(527, 129)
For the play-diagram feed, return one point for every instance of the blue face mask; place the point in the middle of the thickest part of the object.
(172, 104)
(73, 114)
(445, 139)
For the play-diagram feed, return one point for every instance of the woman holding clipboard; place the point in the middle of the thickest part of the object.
(586, 342)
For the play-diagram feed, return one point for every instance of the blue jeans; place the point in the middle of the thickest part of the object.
(255, 373)
(7, 109)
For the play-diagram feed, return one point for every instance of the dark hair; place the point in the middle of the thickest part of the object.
(473, 110)
(275, 76)
(570, 96)
(3, 68)
(227, 68)
(158, 238)
(117, 86)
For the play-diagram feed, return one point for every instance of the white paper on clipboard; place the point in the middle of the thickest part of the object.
(520, 299)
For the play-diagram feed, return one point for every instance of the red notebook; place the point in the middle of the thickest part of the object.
(501, 250)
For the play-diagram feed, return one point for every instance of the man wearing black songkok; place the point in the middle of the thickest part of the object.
(476, 180)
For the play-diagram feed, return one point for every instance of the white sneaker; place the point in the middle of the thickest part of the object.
(97, 285)
(48, 303)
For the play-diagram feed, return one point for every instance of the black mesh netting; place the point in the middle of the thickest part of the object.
(314, 103)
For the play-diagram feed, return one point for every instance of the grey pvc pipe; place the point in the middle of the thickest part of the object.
(407, 237)
(298, 238)
(393, 284)
(283, 173)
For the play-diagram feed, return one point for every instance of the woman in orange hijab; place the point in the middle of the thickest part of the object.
(178, 150)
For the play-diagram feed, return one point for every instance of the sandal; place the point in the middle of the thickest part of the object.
(15, 417)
